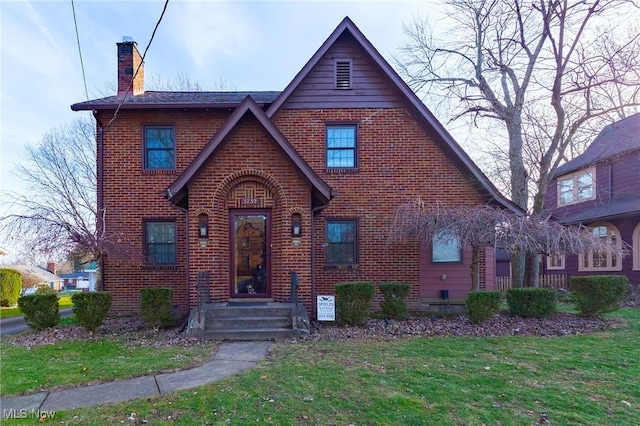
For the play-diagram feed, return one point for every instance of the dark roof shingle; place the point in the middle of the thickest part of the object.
(177, 100)
(614, 140)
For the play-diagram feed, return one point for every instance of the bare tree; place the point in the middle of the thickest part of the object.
(57, 215)
(486, 226)
(548, 72)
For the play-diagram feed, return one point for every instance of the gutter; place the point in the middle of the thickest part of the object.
(99, 190)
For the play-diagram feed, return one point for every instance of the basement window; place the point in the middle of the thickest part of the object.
(342, 70)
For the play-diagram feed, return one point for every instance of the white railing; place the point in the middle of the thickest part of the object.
(556, 281)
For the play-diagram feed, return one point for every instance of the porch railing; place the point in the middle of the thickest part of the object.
(556, 281)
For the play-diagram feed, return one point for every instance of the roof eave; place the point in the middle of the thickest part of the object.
(167, 105)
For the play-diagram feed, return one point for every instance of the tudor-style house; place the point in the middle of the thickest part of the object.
(600, 189)
(250, 186)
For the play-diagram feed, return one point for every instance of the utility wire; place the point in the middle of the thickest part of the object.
(84, 77)
(115, 114)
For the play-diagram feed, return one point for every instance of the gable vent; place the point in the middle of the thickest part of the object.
(343, 74)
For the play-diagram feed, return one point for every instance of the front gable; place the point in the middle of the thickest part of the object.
(344, 77)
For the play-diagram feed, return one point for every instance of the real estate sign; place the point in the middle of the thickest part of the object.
(326, 308)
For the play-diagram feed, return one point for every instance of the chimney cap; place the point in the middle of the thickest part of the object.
(127, 39)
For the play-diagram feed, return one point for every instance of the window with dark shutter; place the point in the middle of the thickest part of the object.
(343, 74)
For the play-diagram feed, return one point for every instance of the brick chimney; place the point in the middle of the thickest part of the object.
(128, 61)
(51, 267)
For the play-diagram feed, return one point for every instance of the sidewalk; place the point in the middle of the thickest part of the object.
(231, 358)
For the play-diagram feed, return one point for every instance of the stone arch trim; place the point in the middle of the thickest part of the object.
(206, 211)
(294, 210)
(248, 175)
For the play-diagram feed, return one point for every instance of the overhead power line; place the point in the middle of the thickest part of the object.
(84, 77)
(153, 34)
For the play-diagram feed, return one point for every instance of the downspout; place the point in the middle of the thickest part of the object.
(314, 210)
(188, 259)
(99, 181)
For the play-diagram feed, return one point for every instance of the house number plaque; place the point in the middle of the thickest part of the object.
(249, 202)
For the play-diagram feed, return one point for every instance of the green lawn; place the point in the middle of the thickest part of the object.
(575, 380)
(64, 300)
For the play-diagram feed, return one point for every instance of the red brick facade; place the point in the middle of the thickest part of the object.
(271, 158)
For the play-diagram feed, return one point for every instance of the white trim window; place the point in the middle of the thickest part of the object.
(577, 187)
(604, 261)
(446, 248)
(636, 248)
(555, 262)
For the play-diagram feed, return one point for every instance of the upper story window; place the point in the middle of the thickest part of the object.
(602, 261)
(341, 146)
(160, 242)
(342, 242)
(159, 147)
(445, 248)
(576, 187)
(342, 72)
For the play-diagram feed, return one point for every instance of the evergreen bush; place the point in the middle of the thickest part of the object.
(10, 286)
(535, 302)
(354, 301)
(91, 308)
(394, 305)
(482, 305)
(595, 295)
(155, 304)
(40, 310)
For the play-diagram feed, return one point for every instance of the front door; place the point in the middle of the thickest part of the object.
(250, 246)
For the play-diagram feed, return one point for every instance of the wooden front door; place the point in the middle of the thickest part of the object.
(250, 246)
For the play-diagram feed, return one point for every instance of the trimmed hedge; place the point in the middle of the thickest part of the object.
(40, 310)
(394, 305)
(10, 287)
(482, 305)
(155, 304)
(535, 302)
(354, 301)
(91, 308)
(598, 294)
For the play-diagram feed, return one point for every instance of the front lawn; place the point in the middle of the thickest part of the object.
(512, 380)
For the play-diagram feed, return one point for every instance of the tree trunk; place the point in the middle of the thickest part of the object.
(475, 270)
(519, 191)
(533, 270)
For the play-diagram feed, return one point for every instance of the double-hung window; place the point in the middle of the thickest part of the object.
(159, 147)
(576, 187)
(342, 242)
(341, 146)
(160, 242)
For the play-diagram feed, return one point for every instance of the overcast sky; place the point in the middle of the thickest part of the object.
(258, 45)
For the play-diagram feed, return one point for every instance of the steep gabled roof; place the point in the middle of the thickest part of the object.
(446, 142)
(178, 189)
(614, 140)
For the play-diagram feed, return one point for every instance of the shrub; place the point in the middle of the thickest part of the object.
(155, 304)
(10, 286)
(91, 308)
(598, 294)
(40, 310)
(354, 301)
(394, 305)
(531, 301)
(482, 305)
(43, 289)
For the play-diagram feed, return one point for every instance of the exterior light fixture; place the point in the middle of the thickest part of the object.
(203, 226)
(296, 225)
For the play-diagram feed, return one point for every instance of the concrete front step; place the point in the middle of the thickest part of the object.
(269, 310)
(249, 334)
(248, 322)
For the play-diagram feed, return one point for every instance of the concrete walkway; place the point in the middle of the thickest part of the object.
(231, 358)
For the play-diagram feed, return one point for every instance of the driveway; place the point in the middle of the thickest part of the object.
(15, 325)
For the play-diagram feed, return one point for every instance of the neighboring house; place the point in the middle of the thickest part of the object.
(82, 279)
(250, 186)
(39, 276)
(601, 190)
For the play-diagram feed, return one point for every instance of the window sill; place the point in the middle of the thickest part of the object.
(160, 171)
(160, 267)
(342, 171)
(342, 267)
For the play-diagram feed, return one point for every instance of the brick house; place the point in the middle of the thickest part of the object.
(249, 186)
(600, 189)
